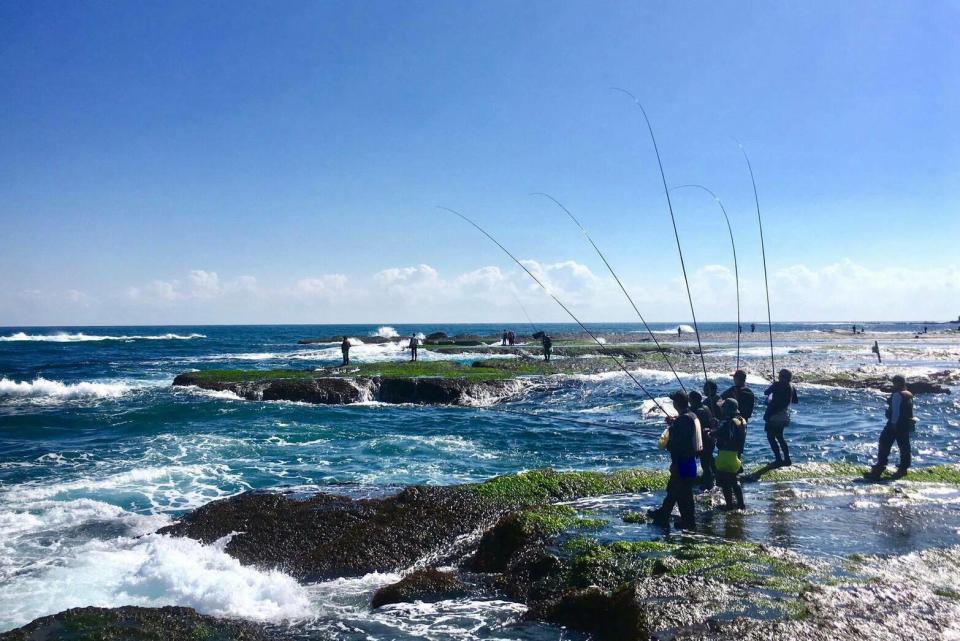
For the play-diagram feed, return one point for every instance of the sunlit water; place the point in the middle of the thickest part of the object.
(97, 451)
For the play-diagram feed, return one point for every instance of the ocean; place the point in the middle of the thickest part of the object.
(97, 451)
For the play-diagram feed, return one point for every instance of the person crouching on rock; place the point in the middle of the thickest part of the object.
(707, 422)
(414, 344)
(731, 437)
(684, 444)
(780, 395)
(345, 349)
(900, 424)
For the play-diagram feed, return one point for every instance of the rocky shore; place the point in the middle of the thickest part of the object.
(524, 537)
(320, 388)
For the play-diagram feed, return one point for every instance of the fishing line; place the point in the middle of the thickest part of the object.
(733, 245)
(517, 298)
(617, 426)
(564, 307)
(673, 219)
(763, 251)
(617, 278)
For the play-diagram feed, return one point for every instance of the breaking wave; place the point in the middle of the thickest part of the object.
(386, 332)
(42, 388)
(80, 337)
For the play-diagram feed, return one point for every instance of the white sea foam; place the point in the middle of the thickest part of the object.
(80, 337)
(682, 329)
(153, 571)
(386, 332)
(42, 388)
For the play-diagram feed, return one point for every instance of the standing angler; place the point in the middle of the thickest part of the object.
(683, 443)
(731, 437)
(707, 423)
(741, 393)
(900, 424)
(780, 395)
(547, 346)
(414, 344)
(345, 350)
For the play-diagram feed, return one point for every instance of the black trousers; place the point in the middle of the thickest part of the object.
(707, 465)
(680, 493)
(775, 438)
(730, 484)
(888, 437)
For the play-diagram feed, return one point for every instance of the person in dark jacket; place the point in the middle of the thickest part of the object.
(731, 436)
(707, 423)
(345, 350)
(547, 347)
(683, 443)
(900, 424)
(413, 346)
(741, 393)
(780, 395)
(712, 399)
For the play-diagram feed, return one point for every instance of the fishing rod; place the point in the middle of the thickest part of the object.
(617, 278)
(763, 252)
(529, 320)
(733, 245)
(564, 307)
(673, 219)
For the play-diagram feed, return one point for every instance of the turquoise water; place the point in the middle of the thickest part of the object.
(97, 449)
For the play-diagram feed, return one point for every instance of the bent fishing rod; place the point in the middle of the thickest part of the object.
(673, 219)
(662, 351)
(733, 245)
(536, 329)
(564, 307)
(763, 252)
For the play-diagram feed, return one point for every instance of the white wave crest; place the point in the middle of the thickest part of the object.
(80, 337)
(154, 571)
(41, 388)
(386, 332)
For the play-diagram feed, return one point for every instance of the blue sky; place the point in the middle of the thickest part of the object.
(282, 162)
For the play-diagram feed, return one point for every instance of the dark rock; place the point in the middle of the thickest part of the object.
(436, 336)
(327, 390)
(131, 623)
(423, 585)
(328, 536)
(617, 616)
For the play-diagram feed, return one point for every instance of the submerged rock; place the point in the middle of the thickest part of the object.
(423, 585)
(132, 623)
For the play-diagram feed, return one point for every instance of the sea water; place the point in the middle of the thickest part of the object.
(97, 451)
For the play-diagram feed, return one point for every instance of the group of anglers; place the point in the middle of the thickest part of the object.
(413, 346)
(707, 423)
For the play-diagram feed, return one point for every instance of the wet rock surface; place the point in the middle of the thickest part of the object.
(326, 536)
(134, 624)
(422, 585)
(329, 390)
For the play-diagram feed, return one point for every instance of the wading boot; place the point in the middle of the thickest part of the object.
(900, 473)
(875, 473)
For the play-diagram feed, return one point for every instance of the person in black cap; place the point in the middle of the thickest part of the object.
(345, 350)
(741, 393)
(683, 443)
(900, 423)
(776, 418)
(413, 346)
(731, 437)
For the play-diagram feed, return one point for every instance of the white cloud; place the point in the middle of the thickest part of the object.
(323, 287)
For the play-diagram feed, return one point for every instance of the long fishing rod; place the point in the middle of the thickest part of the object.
(733, 245)
(564, 307)
(673, 219)
(662, 351)
(529, 320)
(763, 252)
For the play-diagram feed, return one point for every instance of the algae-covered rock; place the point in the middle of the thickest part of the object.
(132, 623)
(326, 536)
(423, 585)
